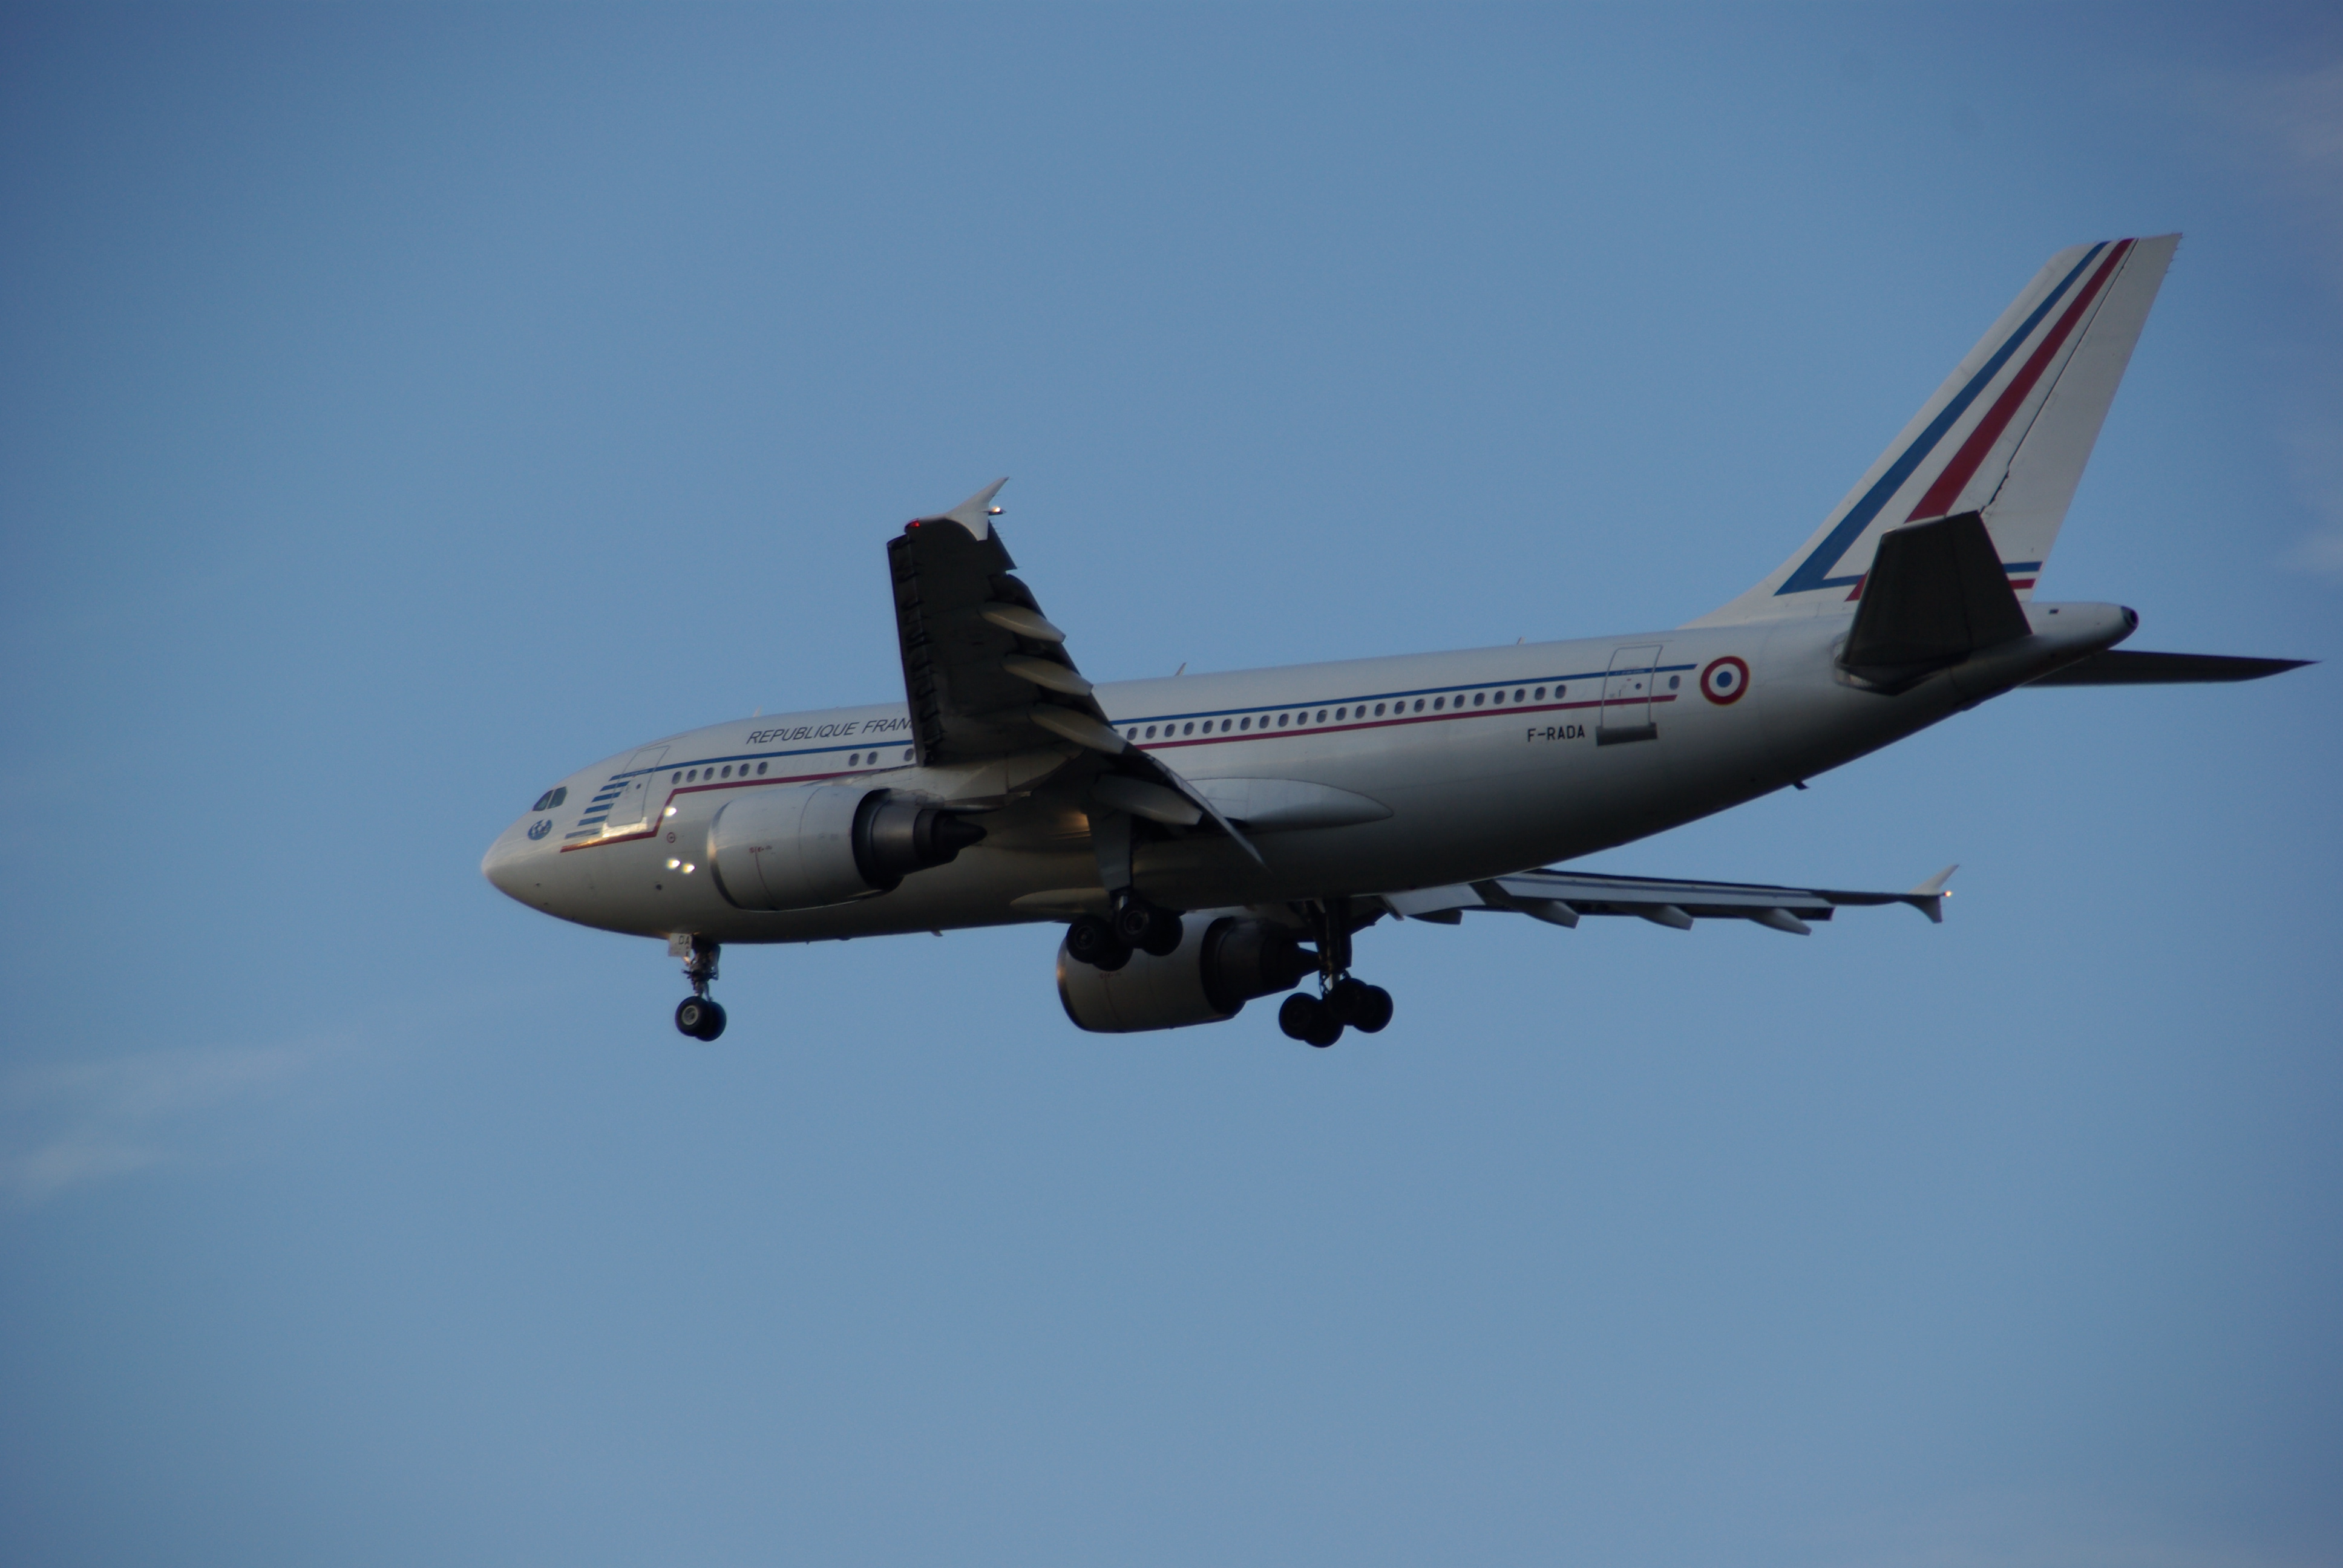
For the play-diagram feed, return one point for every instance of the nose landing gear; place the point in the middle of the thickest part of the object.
(1344, 1000)
(699, 1015)
(699, 1018)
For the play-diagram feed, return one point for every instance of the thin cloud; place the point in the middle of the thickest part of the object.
(2286, 124)
(2016, 1530)
(66, 1125)
(2317, 473)
(2290, 125)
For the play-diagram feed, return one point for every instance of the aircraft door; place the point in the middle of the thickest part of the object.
(1627, 698)
(632, 806)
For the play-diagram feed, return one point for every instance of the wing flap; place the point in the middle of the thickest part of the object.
(986, 675)
(1563, 898)
(979, 661)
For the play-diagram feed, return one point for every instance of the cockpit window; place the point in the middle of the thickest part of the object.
(551, 799)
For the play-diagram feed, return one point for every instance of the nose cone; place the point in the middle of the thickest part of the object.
(506, 863)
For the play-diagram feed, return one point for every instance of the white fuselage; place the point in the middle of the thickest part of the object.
(1488, 761)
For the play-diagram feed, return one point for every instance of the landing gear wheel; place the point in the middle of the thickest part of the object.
(1092, 941)
(1366, 1008)
(699, 1018)
(1139, 924)
(1164, 934)
(1306, 1018)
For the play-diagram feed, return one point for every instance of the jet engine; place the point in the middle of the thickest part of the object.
(808, 845)
(1219, 965)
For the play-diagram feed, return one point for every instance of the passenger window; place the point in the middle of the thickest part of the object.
(1438, 703)
(690, 777)
(1419, 705)
(1672, 679)
(676, 777)
(1541, 694)
(1150, 732)
(1283, 720)
(906, 752)
(1479, 698)
(1379, 710)
(728, 770)
(1189, 729)
(1517, 694)
(1322, 715)
(1246, 723)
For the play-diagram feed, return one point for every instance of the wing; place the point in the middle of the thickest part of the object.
(987, 677)
(1561, 897)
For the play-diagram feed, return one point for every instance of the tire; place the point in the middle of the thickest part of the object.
(1164, 933)
(699, 1018)
(1091, 940)
(1366, 1008)
(1306, 1018)
(1133, 923)
(1297, 1015)
(716, 1020)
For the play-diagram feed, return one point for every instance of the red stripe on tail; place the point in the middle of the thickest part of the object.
(1963, 466)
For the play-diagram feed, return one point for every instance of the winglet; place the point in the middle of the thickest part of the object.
(975, 514)
(1929, 897)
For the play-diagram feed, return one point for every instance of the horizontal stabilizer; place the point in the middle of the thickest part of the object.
(2121, 667)
(1936, 593)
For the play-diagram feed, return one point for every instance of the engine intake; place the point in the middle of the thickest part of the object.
(1219, 966)
(809, 845)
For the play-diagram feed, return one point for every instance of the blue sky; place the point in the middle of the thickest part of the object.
(404, 407)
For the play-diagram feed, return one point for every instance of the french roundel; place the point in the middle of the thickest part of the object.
(1725, 681)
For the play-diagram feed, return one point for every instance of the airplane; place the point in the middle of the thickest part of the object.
(1206, 840)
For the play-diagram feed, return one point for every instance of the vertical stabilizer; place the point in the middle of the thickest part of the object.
(2007, 434)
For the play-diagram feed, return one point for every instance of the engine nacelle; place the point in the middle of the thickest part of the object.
(1220, 964)
(807, 845)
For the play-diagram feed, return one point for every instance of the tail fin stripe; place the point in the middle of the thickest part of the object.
(1958, 473)
(1814, 571)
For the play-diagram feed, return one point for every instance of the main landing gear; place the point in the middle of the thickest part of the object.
(1320, 1021)
(1136, 924)
(1344, 1000)
(699, 1015)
